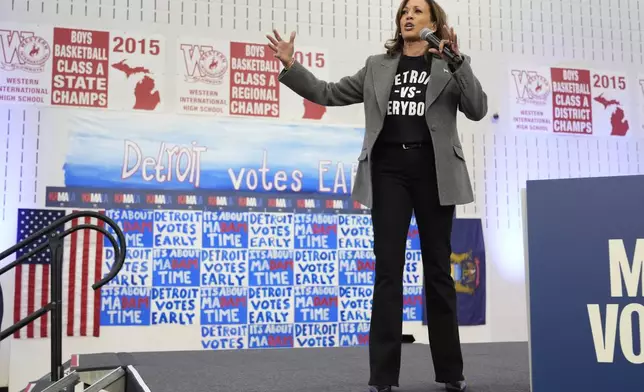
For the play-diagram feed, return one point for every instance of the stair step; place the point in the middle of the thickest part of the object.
(113, 381)
(44, 382)
(65, 384)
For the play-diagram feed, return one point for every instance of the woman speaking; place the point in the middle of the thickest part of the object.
(411, 161)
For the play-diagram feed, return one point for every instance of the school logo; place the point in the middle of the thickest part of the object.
(531, 87)
(23, 51)
(204, 64)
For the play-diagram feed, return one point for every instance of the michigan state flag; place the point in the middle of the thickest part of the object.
(468, 271)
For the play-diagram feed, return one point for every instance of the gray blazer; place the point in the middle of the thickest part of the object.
(371, 85)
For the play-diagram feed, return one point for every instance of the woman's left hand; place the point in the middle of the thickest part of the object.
(450, 40)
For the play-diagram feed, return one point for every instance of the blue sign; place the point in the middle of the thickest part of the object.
(586, 272)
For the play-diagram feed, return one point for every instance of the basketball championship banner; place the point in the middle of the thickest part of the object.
(59, 66)
(586, 263)
(573, 101)
(241, 233)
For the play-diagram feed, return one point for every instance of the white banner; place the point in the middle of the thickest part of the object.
(572, 101)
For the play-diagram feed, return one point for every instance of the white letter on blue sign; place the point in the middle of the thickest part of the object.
(627, 335)
(620, 269)
(605, 340)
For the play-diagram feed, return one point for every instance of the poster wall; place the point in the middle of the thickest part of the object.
(571, 101)
(241, 233)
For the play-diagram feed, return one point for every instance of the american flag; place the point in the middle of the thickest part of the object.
(82, 266)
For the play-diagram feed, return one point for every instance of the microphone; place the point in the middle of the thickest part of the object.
(428, 35)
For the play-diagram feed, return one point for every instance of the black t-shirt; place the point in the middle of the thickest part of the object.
(405, 121)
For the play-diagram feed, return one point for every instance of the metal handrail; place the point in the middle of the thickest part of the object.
(55, 244)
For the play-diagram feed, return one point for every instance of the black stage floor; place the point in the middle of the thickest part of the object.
(495, 367)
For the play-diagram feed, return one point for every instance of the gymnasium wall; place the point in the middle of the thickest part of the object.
(518, 48)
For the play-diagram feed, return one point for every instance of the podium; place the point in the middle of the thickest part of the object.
(585, 280)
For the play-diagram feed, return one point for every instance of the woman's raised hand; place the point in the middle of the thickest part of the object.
(283, 49)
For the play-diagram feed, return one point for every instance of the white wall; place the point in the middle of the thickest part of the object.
(498, 34)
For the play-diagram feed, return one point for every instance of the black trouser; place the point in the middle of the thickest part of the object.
(404, 180)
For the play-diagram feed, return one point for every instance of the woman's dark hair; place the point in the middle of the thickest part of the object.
(439, 18)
